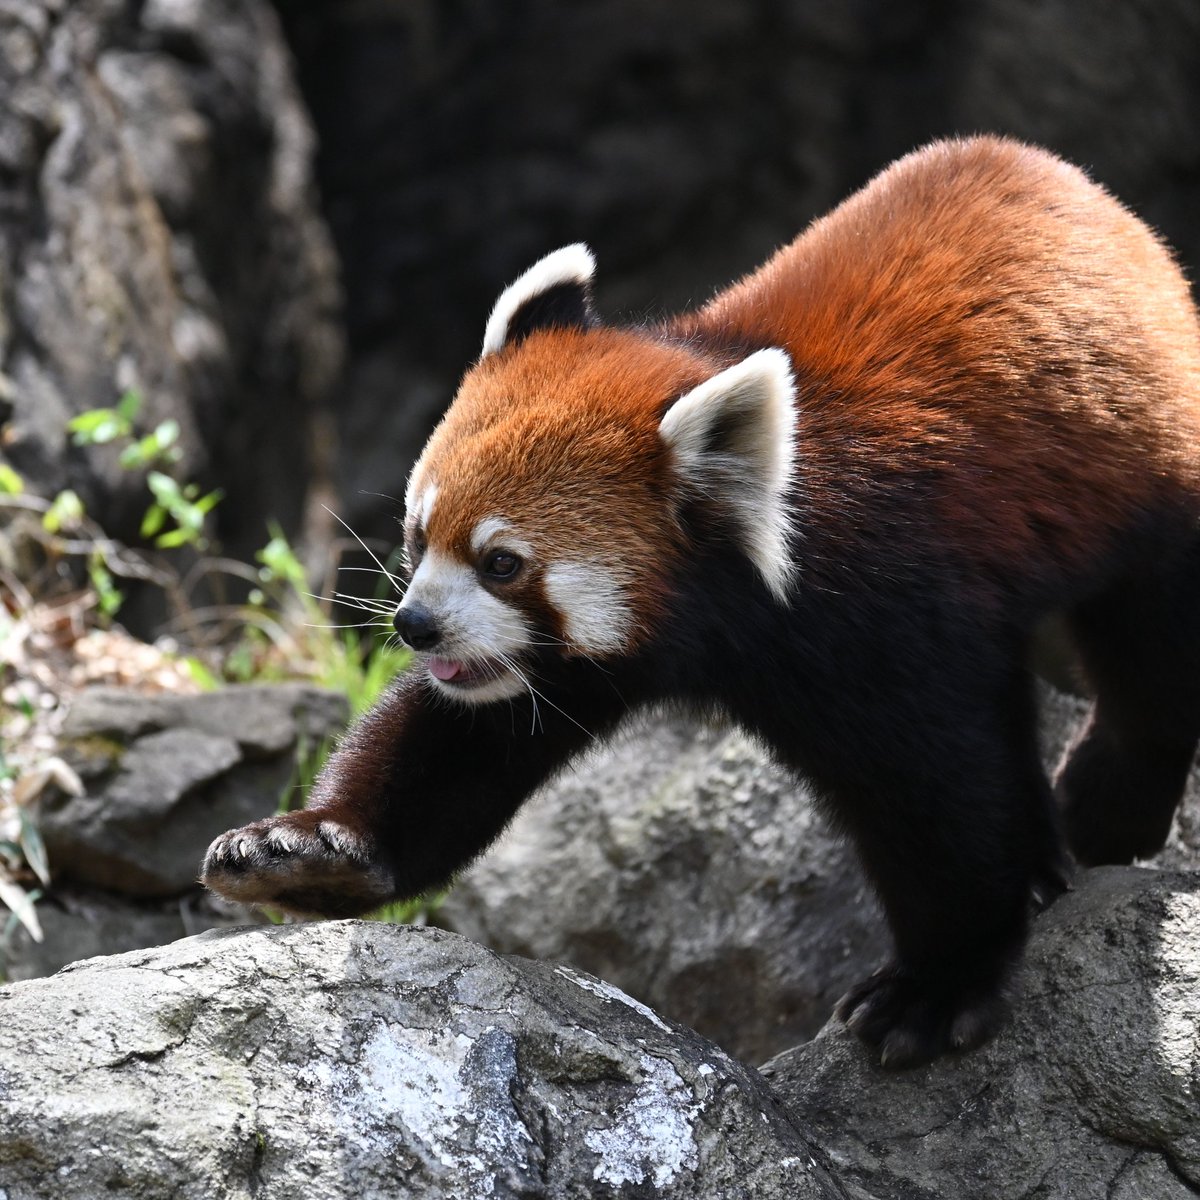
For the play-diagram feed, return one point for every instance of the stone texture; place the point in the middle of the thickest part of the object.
(262, 720)
(367, 1061)
(1093, 1088)
(158, 231)
(85, 924)
(164, 774)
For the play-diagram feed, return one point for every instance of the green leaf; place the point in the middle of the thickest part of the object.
(280, 560)
(11, 484)
(153, 521)
(108, 595)
(166, 490)
(166, 433)
(207, 503)
(134, 455)
(129, 404)
(20, 904)
(200, 674)
(173, 538)
(65, 512)
(33, 848)
(99, 425)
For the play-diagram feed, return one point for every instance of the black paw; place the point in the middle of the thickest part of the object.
(913, 1019)
(300, 862)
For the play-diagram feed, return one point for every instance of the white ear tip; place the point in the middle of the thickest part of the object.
(575, 261)
(569, 264)
(772, 361)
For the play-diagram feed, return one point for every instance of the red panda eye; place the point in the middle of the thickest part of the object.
(500, 564)
(416, 546)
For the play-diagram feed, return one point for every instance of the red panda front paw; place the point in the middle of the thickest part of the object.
(304, 862)
(912, 1019)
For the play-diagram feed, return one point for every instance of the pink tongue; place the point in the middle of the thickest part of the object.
(444, 669)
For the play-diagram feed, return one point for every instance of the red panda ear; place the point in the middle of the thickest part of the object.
(733, 439)
(555, 291)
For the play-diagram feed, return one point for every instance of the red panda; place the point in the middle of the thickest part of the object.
(832, 505)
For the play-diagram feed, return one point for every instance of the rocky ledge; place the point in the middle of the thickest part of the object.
(362, 1060)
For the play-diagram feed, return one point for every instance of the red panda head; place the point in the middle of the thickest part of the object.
(545, 515)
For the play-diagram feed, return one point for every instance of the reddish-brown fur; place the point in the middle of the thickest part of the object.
(985, 306)
(982, 306)
(564, 441)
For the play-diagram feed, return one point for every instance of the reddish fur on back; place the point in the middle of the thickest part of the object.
(983, 311)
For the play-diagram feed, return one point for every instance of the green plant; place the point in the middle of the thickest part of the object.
(181, 503)
(281, 631)
(285, 613)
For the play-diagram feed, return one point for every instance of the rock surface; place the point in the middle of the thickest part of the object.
(78, 924)
(1093, 1088)
(370, 1061)
(165, 774)
(158, 232)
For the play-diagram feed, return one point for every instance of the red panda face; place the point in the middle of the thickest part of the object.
(544, 516)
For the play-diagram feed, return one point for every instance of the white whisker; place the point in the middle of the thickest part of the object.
(508, 662)
(374, 556)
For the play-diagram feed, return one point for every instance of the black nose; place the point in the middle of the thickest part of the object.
(416, 625)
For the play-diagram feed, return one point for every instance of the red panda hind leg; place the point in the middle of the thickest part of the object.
(933, 771)
(1121, 781)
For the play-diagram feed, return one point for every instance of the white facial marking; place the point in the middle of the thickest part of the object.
(416, 478)
(751, 467)
(425, 505)
(502, 531)
(595, 610)
(571, 264)
(476, 627)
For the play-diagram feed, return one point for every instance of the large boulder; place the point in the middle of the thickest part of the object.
(367, 1061)
(159, 232)
(1092, 1089)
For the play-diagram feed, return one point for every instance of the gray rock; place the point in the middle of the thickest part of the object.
(368, 1061)
(262, 720)
(685, 867)
(1093, 1088)
(165, 774)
